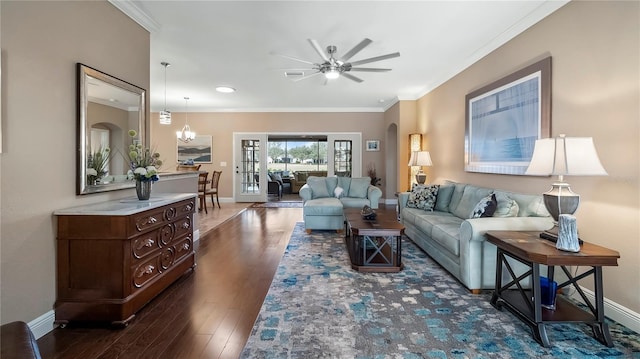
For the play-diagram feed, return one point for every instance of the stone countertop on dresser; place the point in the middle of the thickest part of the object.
(125, 206)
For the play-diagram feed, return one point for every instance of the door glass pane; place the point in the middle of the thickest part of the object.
(250, 166)
(342, 158)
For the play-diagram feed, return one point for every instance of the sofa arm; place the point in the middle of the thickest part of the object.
(474, 229)
(305, 193)
(373, 194)
(478, 257)
(18, 342)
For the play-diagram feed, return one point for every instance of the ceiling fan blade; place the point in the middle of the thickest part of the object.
(351, 77)
(294, 58)
(364, 43)
(319, 50)
(306, 76)
(368, 69)
(373, 59)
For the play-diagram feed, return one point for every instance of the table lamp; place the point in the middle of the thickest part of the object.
(420, 158)
(564, 156)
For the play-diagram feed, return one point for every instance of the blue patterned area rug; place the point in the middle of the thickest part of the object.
(318, 307)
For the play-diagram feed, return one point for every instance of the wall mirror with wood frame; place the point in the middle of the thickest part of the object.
(108, 108)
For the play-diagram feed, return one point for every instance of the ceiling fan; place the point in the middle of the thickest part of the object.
(333, 67)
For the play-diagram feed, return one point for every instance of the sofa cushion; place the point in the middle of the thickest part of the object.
(471, 196)
(423, 197)
(448, 236)
(323, 207)
(318, 187)
(485, 208)
(456, 196)
(444, 197)
(331, 183)
(345, 183)
(507, 207)
(350, 202)
(359, 187)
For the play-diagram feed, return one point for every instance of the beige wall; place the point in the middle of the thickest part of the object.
(595, 93)
(221, 127)
(41, 43)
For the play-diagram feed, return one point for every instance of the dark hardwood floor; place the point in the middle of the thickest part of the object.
(208, 313)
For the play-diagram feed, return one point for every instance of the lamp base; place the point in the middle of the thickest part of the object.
(421, 177)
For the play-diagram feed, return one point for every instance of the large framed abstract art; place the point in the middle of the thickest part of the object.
(505, 118)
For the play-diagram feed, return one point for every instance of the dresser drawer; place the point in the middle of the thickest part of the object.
(183, 247)
(145, 271)
(158, 217)
(144, 245)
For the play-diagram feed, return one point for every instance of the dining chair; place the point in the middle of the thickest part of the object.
(202, 190)
(214, 188)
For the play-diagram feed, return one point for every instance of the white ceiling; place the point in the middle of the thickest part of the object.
(212, 43)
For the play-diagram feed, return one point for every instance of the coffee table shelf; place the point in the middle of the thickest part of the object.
(374, 245)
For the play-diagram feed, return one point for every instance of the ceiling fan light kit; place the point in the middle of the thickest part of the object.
(332, 67)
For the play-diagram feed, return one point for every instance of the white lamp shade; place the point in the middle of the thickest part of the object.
(420, 158)
(565, 156)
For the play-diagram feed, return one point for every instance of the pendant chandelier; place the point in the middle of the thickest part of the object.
(186, 135)
(165, 116)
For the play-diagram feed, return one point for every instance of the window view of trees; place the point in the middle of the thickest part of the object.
(296, 155)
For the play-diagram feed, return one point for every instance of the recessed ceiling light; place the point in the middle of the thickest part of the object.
(225, 89)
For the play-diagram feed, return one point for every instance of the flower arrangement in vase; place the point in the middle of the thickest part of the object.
(97, 165)
(144, 165)
(371, 172)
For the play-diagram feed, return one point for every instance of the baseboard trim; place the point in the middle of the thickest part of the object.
(613, 310)
(390, 201)
(42, 324)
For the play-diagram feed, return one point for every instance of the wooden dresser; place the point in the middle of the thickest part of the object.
(114, 257)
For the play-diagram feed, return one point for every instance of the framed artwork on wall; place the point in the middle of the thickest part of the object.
(505, 118)
(198, 150)
(372, 145)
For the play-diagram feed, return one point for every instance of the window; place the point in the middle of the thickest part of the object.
(288, 155)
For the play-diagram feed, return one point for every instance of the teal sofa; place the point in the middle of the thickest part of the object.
(324, 200)
(457, 242)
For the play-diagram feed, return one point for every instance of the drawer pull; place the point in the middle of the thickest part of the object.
(146, 270)
(152, 220)
(185, 246)
(147, 243)
(185, 225)
(189, 207)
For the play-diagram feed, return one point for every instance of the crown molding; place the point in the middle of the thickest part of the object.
(138, 15)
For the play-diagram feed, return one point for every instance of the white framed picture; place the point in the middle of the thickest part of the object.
(198, 150)
(372, 145)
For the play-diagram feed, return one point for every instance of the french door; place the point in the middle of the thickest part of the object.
(250, 167)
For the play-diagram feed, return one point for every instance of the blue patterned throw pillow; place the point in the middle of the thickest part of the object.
(486, 207)
(423, 197)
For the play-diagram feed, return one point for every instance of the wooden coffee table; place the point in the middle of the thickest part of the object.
(526, 303)
(374, 245)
